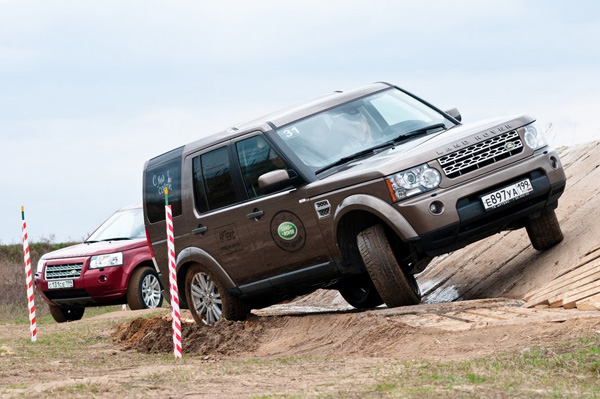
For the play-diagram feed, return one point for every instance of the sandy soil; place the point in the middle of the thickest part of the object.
(471, 308)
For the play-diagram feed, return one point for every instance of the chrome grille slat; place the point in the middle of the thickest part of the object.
(481, 154)
(57, 272)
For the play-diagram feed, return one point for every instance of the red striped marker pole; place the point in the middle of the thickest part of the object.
(174, 292)
(28, 279)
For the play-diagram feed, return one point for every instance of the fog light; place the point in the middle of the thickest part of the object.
(553, 162)
(102, 278)
(436, 207)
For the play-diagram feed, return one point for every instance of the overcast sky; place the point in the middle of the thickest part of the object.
(89, 90)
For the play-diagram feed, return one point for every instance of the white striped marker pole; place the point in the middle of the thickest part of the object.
(28, 279)
(124, 307)
(173, 291)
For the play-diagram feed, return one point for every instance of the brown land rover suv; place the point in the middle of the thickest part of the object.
(354, 191)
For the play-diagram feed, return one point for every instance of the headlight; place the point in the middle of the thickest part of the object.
(107, 260)
(413, 181)
(40, 265)
(534, 137)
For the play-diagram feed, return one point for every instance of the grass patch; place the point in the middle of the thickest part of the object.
(566, 370)
(13, 291)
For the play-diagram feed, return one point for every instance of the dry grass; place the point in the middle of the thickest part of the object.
(13, 291)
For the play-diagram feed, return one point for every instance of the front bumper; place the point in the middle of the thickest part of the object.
(95, 287)
(465, 220)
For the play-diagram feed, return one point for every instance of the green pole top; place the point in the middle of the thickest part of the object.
(22, 213)
(166, 196)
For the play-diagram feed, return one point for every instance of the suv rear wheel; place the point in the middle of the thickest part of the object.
(544, 232)
(208, 299)
(61, 315)
(395, 286)
(144, 291)
(363, 296)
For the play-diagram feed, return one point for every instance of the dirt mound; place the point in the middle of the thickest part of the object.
(459, 330)
(153, 335)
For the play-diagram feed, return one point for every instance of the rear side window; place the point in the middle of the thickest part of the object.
(213, 185)
(159, 177)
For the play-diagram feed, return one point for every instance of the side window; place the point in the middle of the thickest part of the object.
(256, 158)
(199, 190)
(213, 186)
(159, 177)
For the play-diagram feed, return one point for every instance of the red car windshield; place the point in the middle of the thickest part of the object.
(122, 225)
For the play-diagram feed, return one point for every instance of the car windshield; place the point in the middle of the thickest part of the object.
(335, 135)
(122, 225)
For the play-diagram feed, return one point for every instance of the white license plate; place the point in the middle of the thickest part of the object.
(52, 285)
(507, 194)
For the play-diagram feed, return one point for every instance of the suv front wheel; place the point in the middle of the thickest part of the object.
(395, 286)
(544, 232)
(208, 299)
(61, 315)
(144, 291)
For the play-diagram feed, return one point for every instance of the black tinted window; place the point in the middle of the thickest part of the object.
(199, 191)
(159, 177)
(216, 176)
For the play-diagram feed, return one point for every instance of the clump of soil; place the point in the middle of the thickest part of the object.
(153, 335)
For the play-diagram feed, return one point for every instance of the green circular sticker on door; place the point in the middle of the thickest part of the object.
(287, 230)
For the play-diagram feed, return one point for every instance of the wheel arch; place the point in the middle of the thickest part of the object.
(139, 264)
(191, 256)
(358, 212)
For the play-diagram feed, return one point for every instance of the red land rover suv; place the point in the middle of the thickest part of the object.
(113, 266)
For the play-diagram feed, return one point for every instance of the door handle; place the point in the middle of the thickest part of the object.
(200, 230)
(256, 214)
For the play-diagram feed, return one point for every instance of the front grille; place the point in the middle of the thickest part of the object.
(56, 272)
(481, 154)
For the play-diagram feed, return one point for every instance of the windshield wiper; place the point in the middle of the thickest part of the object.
(117, 239)
(356, 155)
(371, 150)
(419, 132)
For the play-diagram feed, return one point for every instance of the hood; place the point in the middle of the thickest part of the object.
(95, 248)
(415, 152)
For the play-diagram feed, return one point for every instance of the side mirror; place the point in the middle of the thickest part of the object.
(275, 180)
(453, 112)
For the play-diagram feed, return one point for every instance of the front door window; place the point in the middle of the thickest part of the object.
(256, 158)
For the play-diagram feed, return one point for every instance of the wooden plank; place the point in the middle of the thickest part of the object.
(583, 269)
(555, 303)
(586, 259)
(590, 303)
(582, 292)
(564, 286)
(584, 277)
(592, 250)
(588, 263)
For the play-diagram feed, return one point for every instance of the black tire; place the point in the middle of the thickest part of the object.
(363, 296)
(208, 299)
(144, 290)
(395, 286)
(61, 315)
(544, 232)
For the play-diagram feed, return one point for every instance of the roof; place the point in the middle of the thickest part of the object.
(289, 114)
